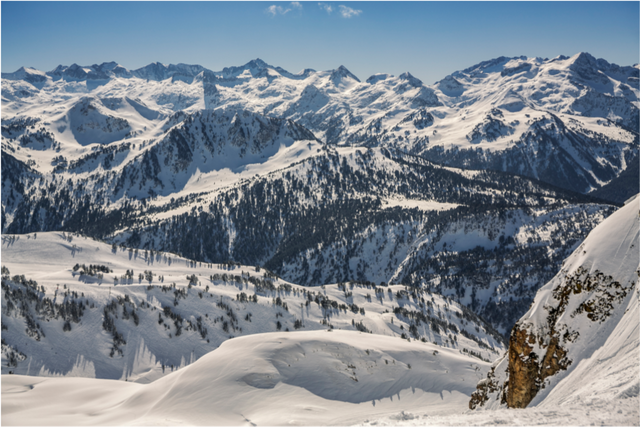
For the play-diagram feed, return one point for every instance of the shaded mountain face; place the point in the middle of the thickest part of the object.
(625, 186)
(322, 177)
(581, 323)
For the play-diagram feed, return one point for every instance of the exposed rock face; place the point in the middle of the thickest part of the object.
(526, 372)
(571, 317)
(523, 369)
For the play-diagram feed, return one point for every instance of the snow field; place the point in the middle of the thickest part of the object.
(300, 378)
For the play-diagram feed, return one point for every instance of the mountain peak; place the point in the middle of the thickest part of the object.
(59, 69)
(28, 74)
(255, 67)
(257, 63)
(491, 65)
(414, 81)
(584, 59)
(378, 77)
(341, 72)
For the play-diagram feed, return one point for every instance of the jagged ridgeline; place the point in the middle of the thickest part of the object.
(569, 121)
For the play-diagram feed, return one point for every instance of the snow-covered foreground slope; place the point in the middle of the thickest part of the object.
(309, 378)
(72, 306)
(579, 343)
(598, 413)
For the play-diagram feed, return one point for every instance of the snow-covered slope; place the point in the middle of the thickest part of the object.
(73, 306)
(579, 342)
(311, 378)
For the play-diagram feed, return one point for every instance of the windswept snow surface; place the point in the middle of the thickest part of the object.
(599, 413)
(299, 378)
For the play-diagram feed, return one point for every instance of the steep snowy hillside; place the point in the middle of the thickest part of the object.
(579, 341)
(495, 261)
(73, 306)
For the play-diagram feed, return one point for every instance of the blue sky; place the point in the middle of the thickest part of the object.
(428, 39)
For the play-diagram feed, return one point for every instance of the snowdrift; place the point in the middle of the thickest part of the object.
(317, 378)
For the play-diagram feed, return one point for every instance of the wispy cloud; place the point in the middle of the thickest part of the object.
(347, 12)
(326, 7)
(274, 10)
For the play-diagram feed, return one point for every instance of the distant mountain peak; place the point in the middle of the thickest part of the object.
(256, 67)
(257, 63)
(378, 78)
(585, 59)
(342, 72)
(411, 79)
(490, 64)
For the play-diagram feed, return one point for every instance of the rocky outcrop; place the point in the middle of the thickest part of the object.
(526, 371)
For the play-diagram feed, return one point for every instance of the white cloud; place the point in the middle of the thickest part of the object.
(279, 10)
(326, 7)
(347, 12)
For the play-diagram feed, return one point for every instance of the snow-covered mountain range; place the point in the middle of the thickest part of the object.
(570, 121)
(150, 215)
